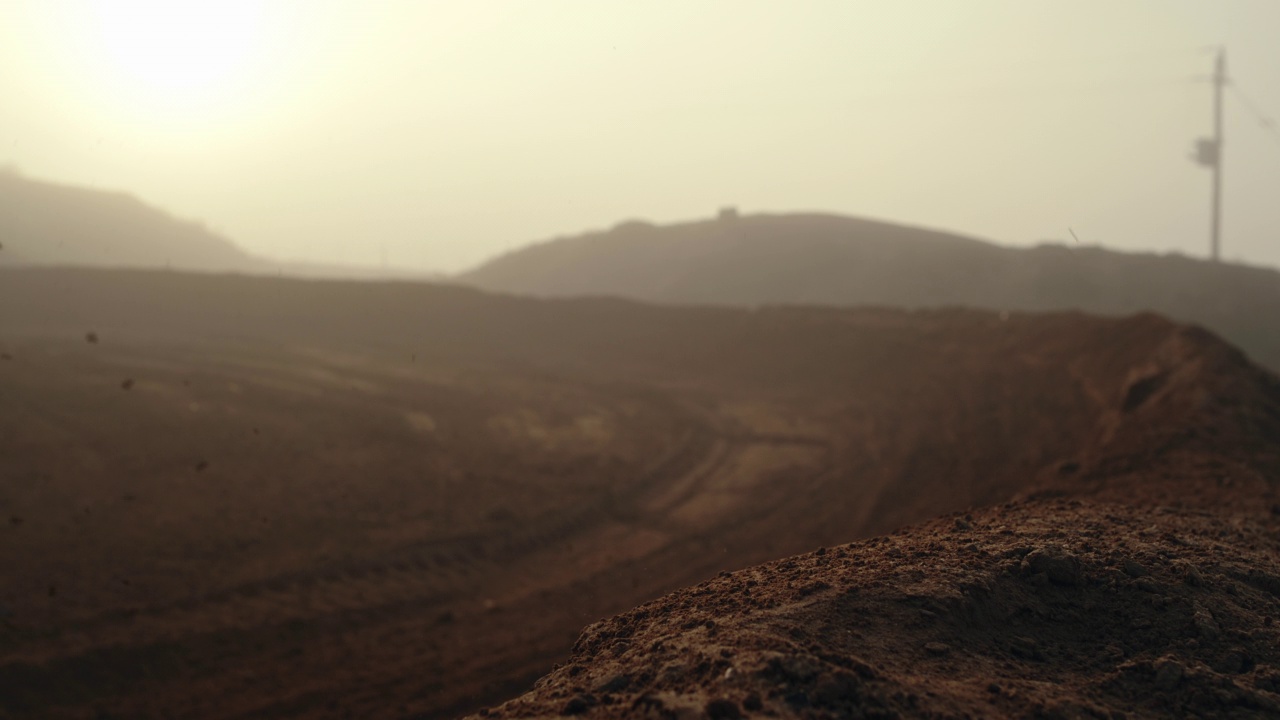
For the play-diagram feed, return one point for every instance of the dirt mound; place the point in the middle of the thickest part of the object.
(814, 259)
(1045, 609)
(1151, 589)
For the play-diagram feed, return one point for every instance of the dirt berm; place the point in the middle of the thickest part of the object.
(1148, 586)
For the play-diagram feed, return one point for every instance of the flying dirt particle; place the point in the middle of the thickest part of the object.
(201, 465)
(127, 384)
(5, 356)
(91, 337)
(15, 520)
(255, 431)
(53, 590)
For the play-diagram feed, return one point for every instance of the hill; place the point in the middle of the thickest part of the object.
(830, 260)
(282, 498)
(48, 224)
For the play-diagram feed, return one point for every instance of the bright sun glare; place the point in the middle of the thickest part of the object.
(178, 48)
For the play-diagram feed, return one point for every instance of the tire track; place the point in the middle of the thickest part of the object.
(415, 578)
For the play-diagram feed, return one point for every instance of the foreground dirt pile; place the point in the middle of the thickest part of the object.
(1062, 609)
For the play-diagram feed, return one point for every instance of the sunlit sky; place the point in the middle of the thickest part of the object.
(437, 134)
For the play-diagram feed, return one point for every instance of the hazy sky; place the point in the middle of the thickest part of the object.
(446, 132)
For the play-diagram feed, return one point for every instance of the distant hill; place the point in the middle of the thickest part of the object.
(815, 259)
(43, 223)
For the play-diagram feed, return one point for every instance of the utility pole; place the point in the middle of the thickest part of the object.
(1219, 82)
(1209, 154)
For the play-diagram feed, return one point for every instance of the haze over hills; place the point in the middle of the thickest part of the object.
(815, 259)
(44, 223)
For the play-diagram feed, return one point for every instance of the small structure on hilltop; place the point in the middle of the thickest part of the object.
(728, 213)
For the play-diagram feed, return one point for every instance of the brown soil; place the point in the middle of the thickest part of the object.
(1048, 609)
(1152, 592)
(356, 500)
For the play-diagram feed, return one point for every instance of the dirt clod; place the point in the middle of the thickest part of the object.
(1058, 565)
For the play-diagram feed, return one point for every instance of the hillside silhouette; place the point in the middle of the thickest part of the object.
(280, 498)
(43, 223)
(813, 259)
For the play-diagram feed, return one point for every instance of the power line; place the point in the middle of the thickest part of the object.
(1265, 121)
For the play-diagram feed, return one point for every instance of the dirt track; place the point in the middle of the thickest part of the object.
(339, 500)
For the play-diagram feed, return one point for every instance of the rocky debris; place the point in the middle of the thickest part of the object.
(1058, 565)
(1020, 617)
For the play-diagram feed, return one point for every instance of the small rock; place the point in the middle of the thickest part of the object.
(797, 699)
(577, 705)
(963, 524)
(1025, 647)
(1147, 585)
(723, 709)
(1134, 569)
(617, 683)
(1193, 577)
(752, 702)
(1205, 625)
(937, 648)
(1169, 673)
(1234, 662)
(1059, 565)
